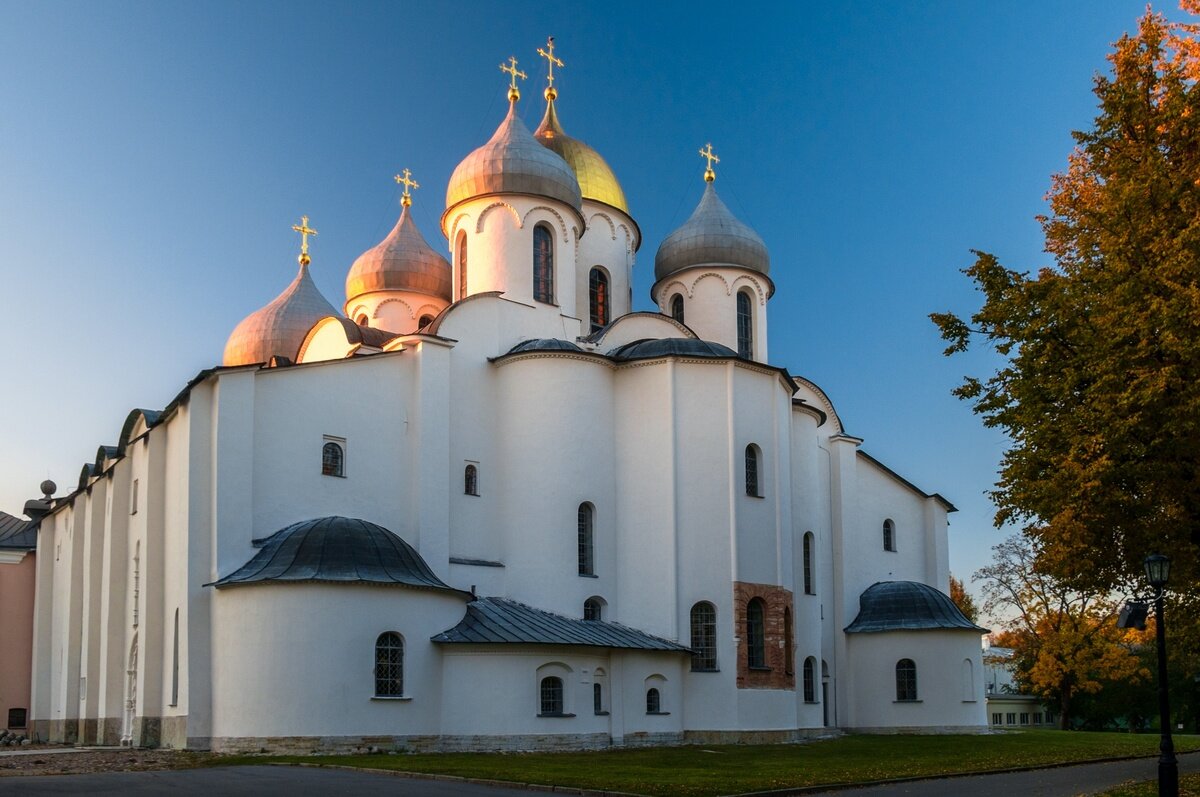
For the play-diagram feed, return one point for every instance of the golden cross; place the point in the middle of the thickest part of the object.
(548, 54)
(707, 152)
(304, 231)
(514, 93)
(407, 182)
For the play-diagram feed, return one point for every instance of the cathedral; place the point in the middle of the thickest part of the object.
(486, 505)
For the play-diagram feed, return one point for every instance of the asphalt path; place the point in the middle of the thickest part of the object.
(254, 781)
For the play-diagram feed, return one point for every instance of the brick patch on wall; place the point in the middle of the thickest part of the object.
(774, 675)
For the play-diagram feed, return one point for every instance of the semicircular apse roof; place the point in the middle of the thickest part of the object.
(907, 606)
(335, 550)
(664, 347)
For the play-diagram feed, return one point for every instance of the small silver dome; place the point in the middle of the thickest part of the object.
(281, 326)
(711, 237)
(513, 162)
(403, 261)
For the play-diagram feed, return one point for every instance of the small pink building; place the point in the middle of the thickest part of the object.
(18, 542)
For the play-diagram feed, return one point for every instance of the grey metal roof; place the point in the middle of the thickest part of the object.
(500, 620)
(513, 162)
(906, 606)
(403, 261)
(662, 347)
(281, 326)
(17, 533)
(712, 236)
(335, 549)
(544, 344)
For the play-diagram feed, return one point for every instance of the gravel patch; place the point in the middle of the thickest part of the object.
(65, 761)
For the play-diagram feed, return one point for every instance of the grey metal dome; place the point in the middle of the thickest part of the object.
(711, 237)
(663, 347)
(279, 328)
(403, 261)
(335, 549)
(906, 606)
(544, 344)
(513, 162)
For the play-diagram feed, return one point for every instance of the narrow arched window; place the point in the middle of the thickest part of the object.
(593, 609)
(424, 321)
(653, 701)
(551, 702)
(745, 327)
(597, 699)
(587, 561)
(362, 320)
(789, 655)
(677, 307)
(810, 680)
(756, 647)
(889, 535)
(543, 264)
(808, 564)
(461, 256)
(389, 665)
(906, 680)
(333, 459)
(704, 637)
(471, 480)
(598, 298)
(752, 487)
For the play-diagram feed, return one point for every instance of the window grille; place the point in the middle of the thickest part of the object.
(598, 298)
(1010, 718)
(745, 327)
(333, 459)
(587, 564)
(808, 564)
(592, 609)
(810, 680)
(752, 470)
(462, 265)
(906, 680)
(597, 699)
(471, 480)
(997, 718)
(677, 307)
(16, 718)
(704, 637)
(543, 265)
(389, 665)
(653, 701)
(756, 648)
(552, 696)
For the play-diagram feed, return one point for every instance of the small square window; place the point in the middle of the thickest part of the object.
(16, 718)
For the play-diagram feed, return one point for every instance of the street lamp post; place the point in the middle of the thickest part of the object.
(1158, 570)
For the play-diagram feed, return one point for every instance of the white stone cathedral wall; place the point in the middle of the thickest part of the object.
(607, 243)
(710, 303)
(881, 497)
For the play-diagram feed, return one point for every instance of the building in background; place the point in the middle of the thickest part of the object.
(18, 544)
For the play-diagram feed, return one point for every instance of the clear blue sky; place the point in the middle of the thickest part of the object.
(153, 157)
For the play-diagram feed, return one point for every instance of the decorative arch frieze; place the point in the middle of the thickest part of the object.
(745, 279)
(666, 290)
(429, 309)
(705, 274)
(483, 214)
(400, 302)
(454, 225)
(611, 227)
(562, 224)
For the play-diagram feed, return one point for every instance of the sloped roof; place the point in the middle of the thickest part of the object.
(337, 550)
(907, 606)
(17, 533)
(500, 620)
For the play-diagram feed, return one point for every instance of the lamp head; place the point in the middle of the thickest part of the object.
(1158, 570)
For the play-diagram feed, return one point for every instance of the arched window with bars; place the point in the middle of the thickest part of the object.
(550, 703)
(704, 637)
(461, 256)
(598, 298)
(756, 643)
(745, 327)
(753, 488)
(810, 680)
(889, 535)
(677, 307)
(333, 459)
(389, 665)
(586, 524)
(471, 480)
(906, 680)
(809, 589)
(543, 264)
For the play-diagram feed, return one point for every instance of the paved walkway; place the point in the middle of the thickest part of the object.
(1083, 779)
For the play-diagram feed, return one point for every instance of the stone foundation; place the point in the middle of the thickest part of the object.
(758, 737)
(63, 731)
(147, 731)
(88, 729)
(110, 731)
(174, 733)
(39, 730)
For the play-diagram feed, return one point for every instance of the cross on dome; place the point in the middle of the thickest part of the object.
(708, 154)
(407, 182)
(304, 231)
(514, 93)
(552, 62)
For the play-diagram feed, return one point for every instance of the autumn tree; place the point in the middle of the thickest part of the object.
(1065, 641)
(963, 600)
(1099, 391)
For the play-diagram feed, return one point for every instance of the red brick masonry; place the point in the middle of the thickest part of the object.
(777, 599)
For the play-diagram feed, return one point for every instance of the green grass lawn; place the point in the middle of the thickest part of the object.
(703, 771)
(1189, 786)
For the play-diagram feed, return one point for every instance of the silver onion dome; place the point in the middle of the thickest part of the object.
(513, 162)
(711, 237)
(279, 328)
(403, 261)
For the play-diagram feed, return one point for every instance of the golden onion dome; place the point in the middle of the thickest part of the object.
(403, 261)
(279, 328)
(596, 179)
(512, 162)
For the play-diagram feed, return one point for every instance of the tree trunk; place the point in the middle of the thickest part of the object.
(1064, 709)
